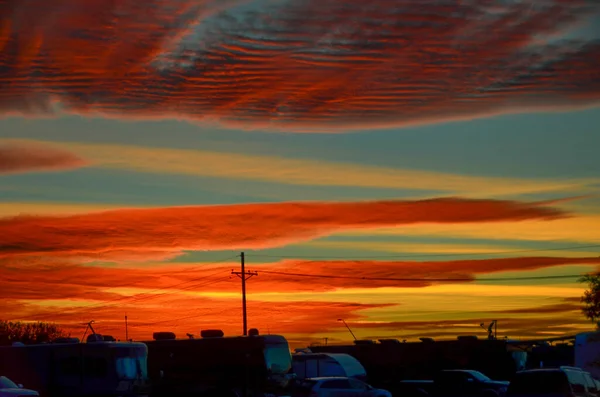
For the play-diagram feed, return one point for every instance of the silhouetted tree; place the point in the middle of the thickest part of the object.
(591, 297)
(29, 333)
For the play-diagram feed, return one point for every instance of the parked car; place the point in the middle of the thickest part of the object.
(455, 382)
(336, 387)
(8, 388)
(555, 382)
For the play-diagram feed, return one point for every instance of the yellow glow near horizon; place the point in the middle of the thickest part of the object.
(578, 229)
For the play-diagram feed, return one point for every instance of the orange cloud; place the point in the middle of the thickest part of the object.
(330, 275)
(165, 232)
(317, 64)
(303, 321)
(51, 282)
(193, 314)
(18, 158)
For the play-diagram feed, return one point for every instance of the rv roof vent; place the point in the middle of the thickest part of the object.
(108, 338)
(253, 332)
(66, 340)
(426, 340)
(364, 342)
(211, 333)
(163, 335)
(467, 337)
(94, 338)
(389, 341)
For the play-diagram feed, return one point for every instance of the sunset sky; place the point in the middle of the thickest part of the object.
(413, 167)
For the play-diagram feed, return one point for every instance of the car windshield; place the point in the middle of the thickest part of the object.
(278, 358)
(6, 383)
(479, 376)
(131, 363)
(131, 368)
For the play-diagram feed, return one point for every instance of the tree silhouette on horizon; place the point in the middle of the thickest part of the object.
(591, 296)
(29, 333)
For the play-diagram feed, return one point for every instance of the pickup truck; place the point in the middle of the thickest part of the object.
(451, 383)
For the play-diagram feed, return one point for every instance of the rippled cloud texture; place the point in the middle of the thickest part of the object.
(296, 64)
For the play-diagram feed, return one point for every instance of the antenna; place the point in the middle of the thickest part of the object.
(491, 329)
(352, 333)
(88, 326)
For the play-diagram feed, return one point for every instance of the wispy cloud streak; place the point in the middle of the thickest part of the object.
(277, 169)
(61, 280)
(20, 158)
(144, 234)
(313, 64)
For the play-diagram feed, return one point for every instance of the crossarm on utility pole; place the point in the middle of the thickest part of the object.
(244, 275)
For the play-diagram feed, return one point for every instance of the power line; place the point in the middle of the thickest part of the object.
(291, 256)
(450, 280)
(132, 299)
(137, 298)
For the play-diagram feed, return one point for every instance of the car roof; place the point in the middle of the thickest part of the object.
(541, 370)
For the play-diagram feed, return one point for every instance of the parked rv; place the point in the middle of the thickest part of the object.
(312, 365)
(218, 366)
(587, 352)
(388, 361)
(73, 369)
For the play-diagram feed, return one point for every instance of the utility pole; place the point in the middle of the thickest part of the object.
(126, 330)
(244, 275)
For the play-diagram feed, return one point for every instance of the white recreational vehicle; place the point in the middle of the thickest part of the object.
(587, 352)
(311, 365)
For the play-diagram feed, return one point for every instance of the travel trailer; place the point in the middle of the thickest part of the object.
(587, 352)
(73, 369)
(218, 366)
(312, 365)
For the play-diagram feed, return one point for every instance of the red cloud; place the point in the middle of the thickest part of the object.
(129, 233)
(33, 157)
(310, 64)
(330, 275)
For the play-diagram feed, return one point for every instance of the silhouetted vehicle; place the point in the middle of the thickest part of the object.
(8, 388)
(390, 361)
(73, 369)
(459, 383)
(217, 366)
(553, 382)
(337, 387)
